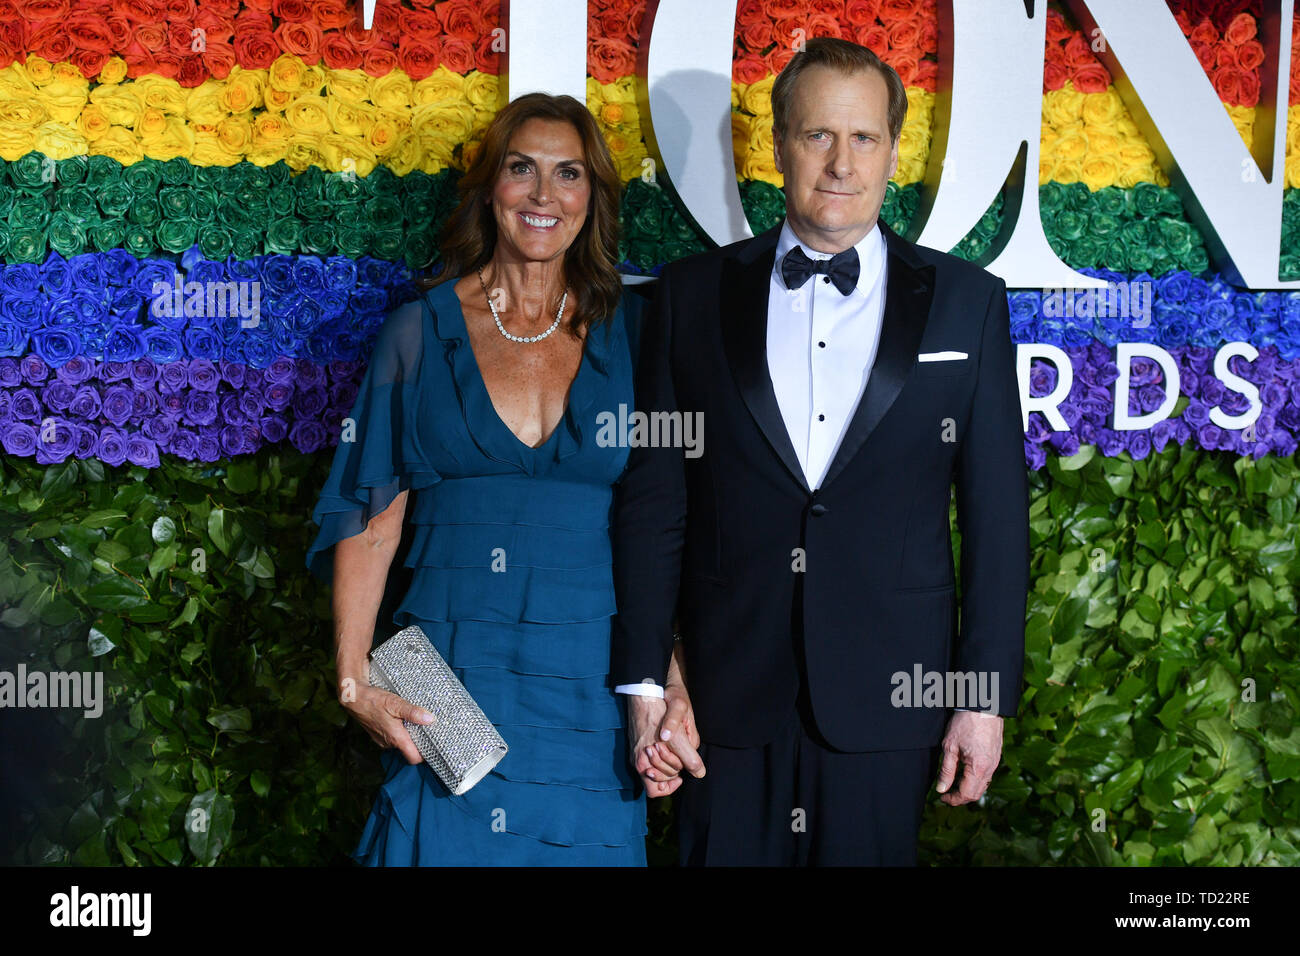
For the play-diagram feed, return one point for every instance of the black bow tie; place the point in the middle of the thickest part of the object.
(842, 267)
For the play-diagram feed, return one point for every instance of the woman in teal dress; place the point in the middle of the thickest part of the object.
(481, 400)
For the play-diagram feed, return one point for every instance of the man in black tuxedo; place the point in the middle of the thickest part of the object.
(846, 378)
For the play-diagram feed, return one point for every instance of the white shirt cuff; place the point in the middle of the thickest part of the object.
(646, 688)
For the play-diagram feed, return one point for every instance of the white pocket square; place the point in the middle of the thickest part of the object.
(940, 356)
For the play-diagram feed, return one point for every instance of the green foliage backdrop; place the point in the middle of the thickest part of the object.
(1163, 600)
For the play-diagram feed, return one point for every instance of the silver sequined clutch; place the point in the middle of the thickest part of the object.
(461, 745)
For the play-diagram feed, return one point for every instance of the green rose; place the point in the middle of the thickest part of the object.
(102, 170)
(177, 235)
(29, 212)
(214, 240)
(388, 242)
(1197, 261)
(1051, 198)
(384, 213)
(176, 203)
(143, 177)
(115, 199)
(107, 235)
(177, 171)
(66, 235)
(245, 243)
(1070, 224)
(145, 211)
(26, 245)
(1110, 201)
(279, 201)
(139, 240)
(71, 171)
(284, 236)
(1147, 200)
(353, 241)
(1078, 197)
(1085, 252)
(32, 172)
(1103, 224)
(1178, 236)
(204, 203)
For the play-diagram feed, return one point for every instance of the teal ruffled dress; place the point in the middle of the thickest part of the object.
(511, 581)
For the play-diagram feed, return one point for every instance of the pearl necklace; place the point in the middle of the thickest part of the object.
(521, 338)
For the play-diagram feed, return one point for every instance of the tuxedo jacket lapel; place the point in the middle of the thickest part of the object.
(908, 294)
(909, 291)
(746, 279)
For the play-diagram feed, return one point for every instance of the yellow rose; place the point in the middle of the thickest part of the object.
(620, 114)
(39, 70)
(909, 171)
(271, 128)
(59, 141)
(451, 121)
(243, 90)
(205, 104)
(161, 94)
(235, 133)
(63, 103)
(1127, 128)
(1102, 142)
(740, 123)
(1102, 109)
(119, 103)
(15, 84)
(623, 90)
(1098, 171)
(441, 86)
(920, 107)
(1047, 141)
(1065, 172)
(437, 146)
(15, 142)
(1292, 168)
(313, 79)
(762, 167)
(350, 119)
(1063, 106)
(22, 114)
(737, 93)
(484, 91)
(350, 85)
(758, 96)
(302, 153)
(210, 151)
(1134, 153)
(266, 153)
(392, 91)
(120, 144)
(1072, 146)
(308, 114)
(346, 154)
(383, 135)
(92, 123)
(286, 73)
(404, 156)
(1243, 117)
(278, 100)
(113, 71)
(153, 122)
(760, 133)
(176, 139)
(913, 146)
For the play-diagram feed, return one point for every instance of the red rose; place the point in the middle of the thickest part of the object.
(486, 59)
(338, 53)
(89, 62)
(827, 8)
(1058, 31)
(228, 9)
(1295, 88)
(929, 42)
(379, 61)
(422, 25)
(757, 36)
(416, 58)
(1225, 55)
(218, 59)
(927, 74)
(261, 6)
(1203, 32)
(252, 20)
(1250, 55)
(89, 32)
(179, 38)
(905, 34)
(1184, 21)
(609, 59)
(192, 72)
(255, 49)
(43, 9)
(1205, 53)
(295, 11)
(362, 39)
(1241, 29)
(179, 11)
(218, 29)
(905, 64)
(892, 11)
(457, 55)
(874, 38)
(51, 42)
(460, 18)
(861, 13)
(1054, 76)
(778, 58)
(1248, 85)
(166, 63)
(300, 39)
(780, 9)
(1078, 52)
(749, 69)
(1054, 54)
(749, 12)
(332, 14)
(1091, 78)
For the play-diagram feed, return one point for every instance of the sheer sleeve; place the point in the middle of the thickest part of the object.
(379, 454)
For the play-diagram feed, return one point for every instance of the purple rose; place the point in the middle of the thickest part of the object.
(141, 451)
(57, 396)
(1212, 391)
(1109, 442)
(24, 405)
(111, 448)
(1065, 443)
(160, 428)
(1144, 371)
(1209, 436)
(1197, 413)
(273, 428)
(119, 401)
(86, 403)
(307, 436)
(34, 371)
(1139, 444)
(203, 375)
(182, 444)
(75, 370)
(19, 439)
(201, 409)
(1035, 456)
(1161, 432)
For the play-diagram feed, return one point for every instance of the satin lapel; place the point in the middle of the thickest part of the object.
(745, 281)
(908, 294)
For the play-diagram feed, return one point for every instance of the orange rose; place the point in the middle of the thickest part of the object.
(1078, 52)
(861, 13)
(905, 64)
(1054, 76)
(1225, 55)
(422, 25)
(218, 59)
(379, 61)
(460, 19)
(174, 10)
(905, 34)
(457, 55)
(824, 25)
(1091, 78)
(829, 8)
(89, 62)
(1184, 21)
(608, 59)
(167, 64)
(1058, 31)
(786, 30)
(751, 11)
(179, 38)
(1250, 55)
(757, 36)
(894, 10)
(417, 58)
(51, 43)
(300, 39)
(1203, 32)
(875, 38)
(338, 53)
(295, 11)
(329, 14)
(778, 58)
(927, 72)
(780, 9)
(255, 50)
(1205, 53)
(929, 42)
(748, 69)
(1241, 29)
(486, 59)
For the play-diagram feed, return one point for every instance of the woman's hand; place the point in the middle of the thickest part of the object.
(679, 740)
(381, 714)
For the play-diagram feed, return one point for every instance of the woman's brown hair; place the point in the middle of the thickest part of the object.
(469, 235)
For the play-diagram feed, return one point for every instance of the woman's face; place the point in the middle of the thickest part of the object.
(542, 192)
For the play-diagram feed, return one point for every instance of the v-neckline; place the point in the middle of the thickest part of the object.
(482, 382)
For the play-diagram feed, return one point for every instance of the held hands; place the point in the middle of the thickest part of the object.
(974, 740)
(381, 714)
(662, 737)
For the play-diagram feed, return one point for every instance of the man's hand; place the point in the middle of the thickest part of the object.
(662, 734)
(974, 740)
(645, 715)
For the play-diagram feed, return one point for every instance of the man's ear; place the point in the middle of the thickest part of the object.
(776, 149)
(893, 157)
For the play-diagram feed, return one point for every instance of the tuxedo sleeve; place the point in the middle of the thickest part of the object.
(993, 516)
(649, 520)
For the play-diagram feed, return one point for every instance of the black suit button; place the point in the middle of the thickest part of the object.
(817, 510)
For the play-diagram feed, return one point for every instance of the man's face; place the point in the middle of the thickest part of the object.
(836, 156)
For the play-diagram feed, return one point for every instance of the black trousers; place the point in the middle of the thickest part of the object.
(797, 801)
